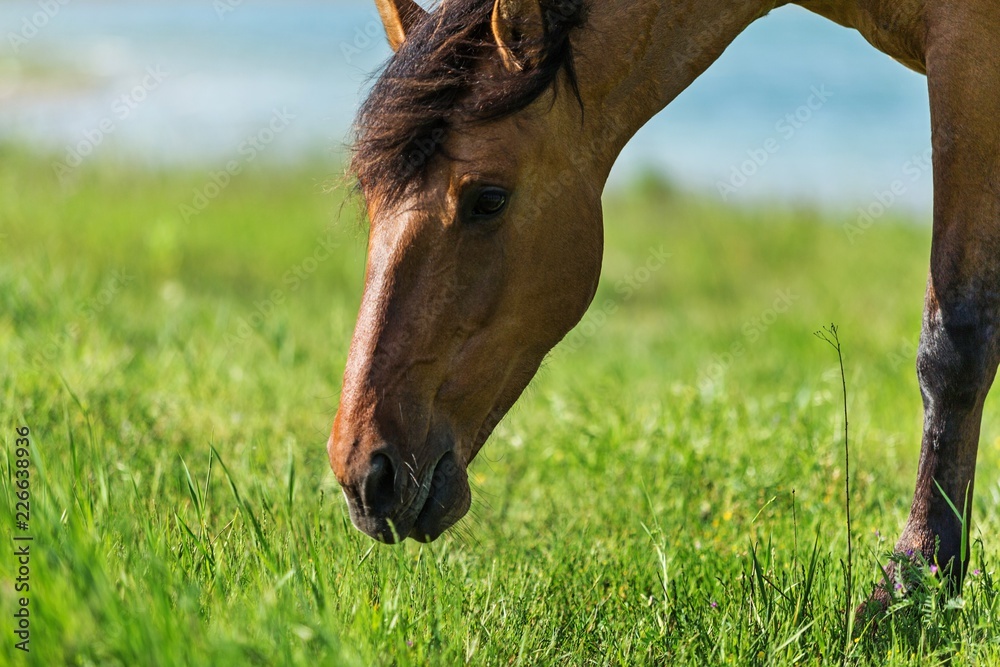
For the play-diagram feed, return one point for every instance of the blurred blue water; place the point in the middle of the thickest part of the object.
(226, 72)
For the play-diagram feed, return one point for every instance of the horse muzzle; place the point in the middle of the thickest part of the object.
(390, 499)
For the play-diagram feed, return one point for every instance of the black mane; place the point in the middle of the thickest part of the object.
(440, 78)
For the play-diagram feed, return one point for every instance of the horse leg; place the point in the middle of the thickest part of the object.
(956, 366)
(960, 343)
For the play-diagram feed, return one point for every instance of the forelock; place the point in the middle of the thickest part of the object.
(446, 74)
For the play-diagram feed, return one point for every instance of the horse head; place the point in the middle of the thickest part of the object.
(484, 248)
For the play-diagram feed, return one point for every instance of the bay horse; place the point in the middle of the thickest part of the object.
(482, 152)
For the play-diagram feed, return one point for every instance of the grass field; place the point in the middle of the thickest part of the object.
(669, 491)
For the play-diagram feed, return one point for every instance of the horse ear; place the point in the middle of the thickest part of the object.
(519, 30)
(398, 17)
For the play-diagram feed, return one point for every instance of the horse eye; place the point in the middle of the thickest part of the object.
(489, 203)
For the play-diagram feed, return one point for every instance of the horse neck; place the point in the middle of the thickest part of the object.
(628, 75)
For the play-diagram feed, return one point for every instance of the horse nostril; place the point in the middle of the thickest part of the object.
(379, 487)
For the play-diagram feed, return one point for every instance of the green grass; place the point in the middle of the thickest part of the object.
(669, 491)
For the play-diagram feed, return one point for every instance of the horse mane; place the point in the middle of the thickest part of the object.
(447, 74)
